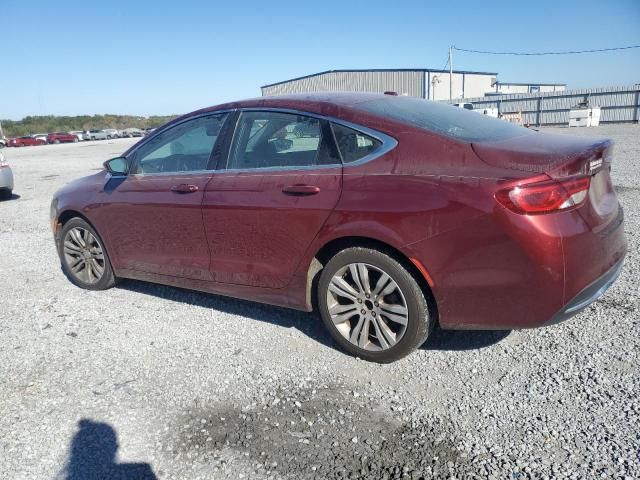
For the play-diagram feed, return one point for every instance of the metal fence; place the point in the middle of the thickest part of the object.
(617, 104)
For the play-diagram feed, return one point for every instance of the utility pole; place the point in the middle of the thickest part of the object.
(450, 75)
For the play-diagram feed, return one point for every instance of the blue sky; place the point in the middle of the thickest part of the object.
(115, 56)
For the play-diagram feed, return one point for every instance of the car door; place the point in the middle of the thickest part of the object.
(154, 216)
(281, 181)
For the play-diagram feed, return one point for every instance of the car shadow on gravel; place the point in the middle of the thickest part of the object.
(463, 339)
(307, 323)
(14, 196)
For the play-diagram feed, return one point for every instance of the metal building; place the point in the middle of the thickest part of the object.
(423, 83)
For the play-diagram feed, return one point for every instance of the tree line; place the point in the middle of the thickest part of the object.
(51, 123)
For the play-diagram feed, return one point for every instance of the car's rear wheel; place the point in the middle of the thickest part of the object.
(83, 256)
(372, 306)
(75, 140)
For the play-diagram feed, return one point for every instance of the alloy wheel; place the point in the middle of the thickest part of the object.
(367, 306)
(83, 255)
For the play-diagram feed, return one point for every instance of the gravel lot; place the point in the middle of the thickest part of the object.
(145, 378)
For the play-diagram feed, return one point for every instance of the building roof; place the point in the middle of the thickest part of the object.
(534, 84)
(432, 70)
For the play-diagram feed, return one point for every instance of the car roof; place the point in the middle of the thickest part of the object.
(311, 100)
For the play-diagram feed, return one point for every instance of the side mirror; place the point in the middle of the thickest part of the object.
(118, 167)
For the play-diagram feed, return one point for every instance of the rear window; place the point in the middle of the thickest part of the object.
(444, 119)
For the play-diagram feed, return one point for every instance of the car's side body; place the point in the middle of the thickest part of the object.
(133, 132)
(96, 134)
(426, 198)
(61, 137)
(80, 134)
(112, 133)
(25, 142)
(6, 178)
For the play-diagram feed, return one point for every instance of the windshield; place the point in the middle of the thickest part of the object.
(445, 119)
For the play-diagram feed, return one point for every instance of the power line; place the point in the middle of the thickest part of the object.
(569, 52)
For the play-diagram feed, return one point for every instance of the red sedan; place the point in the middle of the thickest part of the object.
(25, 142)
(61, 137)
(389, 215)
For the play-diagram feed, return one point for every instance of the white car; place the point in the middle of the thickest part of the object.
(132, 132)
(41, 136)
(79, 134)
(112, 133)
(6, 179)
(97, 135)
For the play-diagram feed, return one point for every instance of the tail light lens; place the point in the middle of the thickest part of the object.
(545, 197)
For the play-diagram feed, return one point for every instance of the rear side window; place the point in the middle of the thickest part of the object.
(443, 119)
(352, 144)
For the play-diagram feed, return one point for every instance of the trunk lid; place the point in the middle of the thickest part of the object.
(560, 157)
(556, 155)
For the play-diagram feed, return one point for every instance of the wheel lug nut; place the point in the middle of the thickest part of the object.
(373, 314)
(363, 311)
(376, 304)
(368, 296)
(359, 300)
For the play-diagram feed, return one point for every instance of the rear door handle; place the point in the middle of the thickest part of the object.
(301, 190)
(184, 188)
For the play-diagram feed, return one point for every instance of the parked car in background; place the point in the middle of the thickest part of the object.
(132, 132)
(79, 134)
(149, 130)
(41, 136)
(6, 178)
(61, 137)
(27, 141)
(389, 215)
(97, 135)
(112, 133)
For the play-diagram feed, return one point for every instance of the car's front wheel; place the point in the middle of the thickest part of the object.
(372, 306)
(83, 256)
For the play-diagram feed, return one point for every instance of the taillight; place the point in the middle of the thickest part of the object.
(545, 197)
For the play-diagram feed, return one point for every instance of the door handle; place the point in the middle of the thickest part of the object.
(301, 190)
(184, 188)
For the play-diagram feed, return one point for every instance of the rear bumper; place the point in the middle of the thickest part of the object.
(6, 179)
(588, 295)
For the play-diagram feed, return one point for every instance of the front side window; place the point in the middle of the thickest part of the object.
(275, 139)
(353, 145)
(185, 147)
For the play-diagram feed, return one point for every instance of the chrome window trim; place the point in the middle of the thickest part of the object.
(175, 174)
(388, 143)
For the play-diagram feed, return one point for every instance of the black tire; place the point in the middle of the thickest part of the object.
(419, 323)
(107, 279)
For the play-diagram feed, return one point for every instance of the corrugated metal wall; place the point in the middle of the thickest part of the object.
(404, 82)
(618, 104)
(415, 83)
